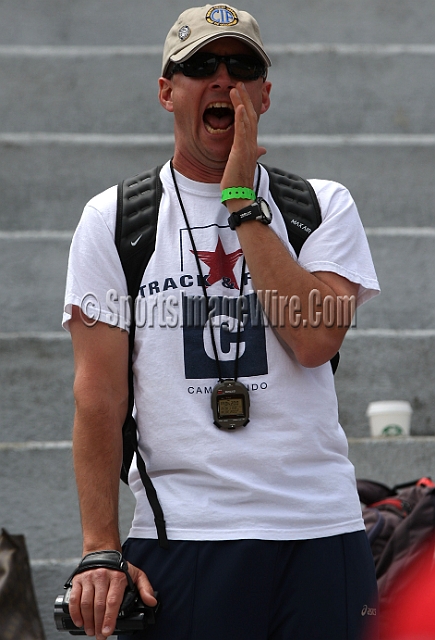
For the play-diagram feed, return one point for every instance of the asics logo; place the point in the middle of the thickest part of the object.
(368, 611)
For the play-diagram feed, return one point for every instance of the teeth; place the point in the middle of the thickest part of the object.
(221, 105)
(214, 106)
(211, 130)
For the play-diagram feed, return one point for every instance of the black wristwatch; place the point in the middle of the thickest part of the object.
(258, 210)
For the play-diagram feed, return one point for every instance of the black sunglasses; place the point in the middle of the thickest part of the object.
(202, 65)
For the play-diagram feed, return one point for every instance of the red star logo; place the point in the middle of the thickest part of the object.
(221, 264)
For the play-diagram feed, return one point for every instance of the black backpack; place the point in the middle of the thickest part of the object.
(135, 235)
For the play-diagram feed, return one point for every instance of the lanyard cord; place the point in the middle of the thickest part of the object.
(204, 289)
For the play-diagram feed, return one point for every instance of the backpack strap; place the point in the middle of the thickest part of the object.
(135, 238)
(136, 224)
(297, 201)
(299, 206)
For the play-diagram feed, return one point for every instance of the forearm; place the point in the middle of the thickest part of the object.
(101, 398)
(278, 278)
(97, 453)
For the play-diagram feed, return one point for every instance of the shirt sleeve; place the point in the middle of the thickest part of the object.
(340, 244)
(95, 278)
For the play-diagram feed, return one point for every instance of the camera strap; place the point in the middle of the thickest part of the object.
(106, 559)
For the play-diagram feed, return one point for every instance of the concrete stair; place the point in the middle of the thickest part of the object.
(352, 102)
(319, 89)
(390, 176)
(136, 22)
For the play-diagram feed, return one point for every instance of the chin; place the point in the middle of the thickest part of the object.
(220, 143)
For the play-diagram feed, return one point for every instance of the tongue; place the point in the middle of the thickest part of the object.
(218, 121)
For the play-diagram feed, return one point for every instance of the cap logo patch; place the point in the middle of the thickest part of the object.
(184, 33)
(221, 16)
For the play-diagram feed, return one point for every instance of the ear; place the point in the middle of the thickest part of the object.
(165, 94)
(265, 103)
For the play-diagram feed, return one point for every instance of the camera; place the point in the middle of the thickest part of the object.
(133, 615)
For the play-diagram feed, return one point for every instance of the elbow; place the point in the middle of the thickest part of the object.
(314, 353)
(96, 402)
(312, 349)
(310, 359)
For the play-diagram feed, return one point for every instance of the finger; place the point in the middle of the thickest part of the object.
(74, 604)
(87, 608)
(246, 126)
(240, 95)
(244, 117)
(143, 584)
(244, 111)
(100, 600)
(242, 128)
(235, 96)
(111, 607)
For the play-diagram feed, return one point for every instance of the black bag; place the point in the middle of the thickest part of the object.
(19, 617)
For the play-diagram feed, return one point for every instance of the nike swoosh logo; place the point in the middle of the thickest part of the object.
(133, 244)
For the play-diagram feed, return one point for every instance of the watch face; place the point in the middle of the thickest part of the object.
(259, 210)
(265, 210)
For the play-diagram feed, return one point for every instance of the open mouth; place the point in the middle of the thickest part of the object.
(218, 117)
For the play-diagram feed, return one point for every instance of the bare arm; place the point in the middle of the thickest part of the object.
(271, 266)
(273, 269)
(101, 397)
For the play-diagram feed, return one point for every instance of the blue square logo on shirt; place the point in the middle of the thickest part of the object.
(198, 324)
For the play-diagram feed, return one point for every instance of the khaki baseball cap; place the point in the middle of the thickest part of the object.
(198, 26)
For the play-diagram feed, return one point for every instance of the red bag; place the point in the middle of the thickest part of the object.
(400, 525)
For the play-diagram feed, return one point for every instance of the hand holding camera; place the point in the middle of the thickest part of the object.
(133, 615)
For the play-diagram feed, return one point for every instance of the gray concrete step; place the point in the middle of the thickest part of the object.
(333, 89)
(59, 175)
(107, 22)
(52, 511)
(402, 302)
(32, 281)
(393, 460)
(390, 177)
(36, 376)
(386, 365)
(39, 498)
(29, 268)
(49, 576)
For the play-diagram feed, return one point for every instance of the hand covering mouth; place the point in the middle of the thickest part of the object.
(218, 117)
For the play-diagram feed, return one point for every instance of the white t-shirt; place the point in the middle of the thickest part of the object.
(286, 474)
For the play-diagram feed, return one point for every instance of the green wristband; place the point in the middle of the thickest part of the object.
(238, 193)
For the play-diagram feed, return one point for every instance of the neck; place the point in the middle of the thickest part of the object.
(195, 170)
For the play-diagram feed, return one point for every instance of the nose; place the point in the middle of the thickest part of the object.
(222, 79)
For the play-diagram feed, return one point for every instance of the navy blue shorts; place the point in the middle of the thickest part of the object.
(323, 589)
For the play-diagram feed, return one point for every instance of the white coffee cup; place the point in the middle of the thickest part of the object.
(389, 418)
